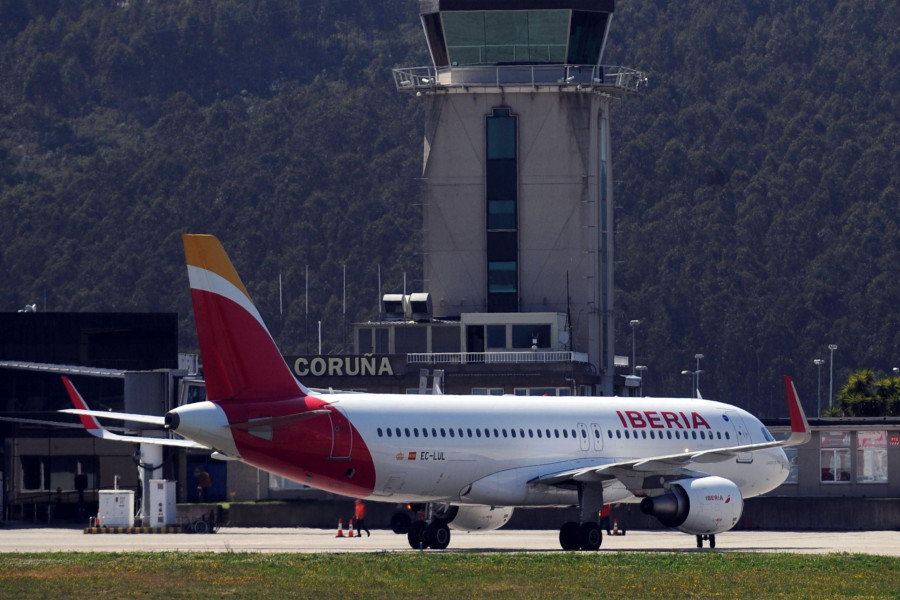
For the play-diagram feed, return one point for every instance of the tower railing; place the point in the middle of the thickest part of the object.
(603, 78)
(459, 358)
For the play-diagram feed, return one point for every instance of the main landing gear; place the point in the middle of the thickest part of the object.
(423, 533)
(711, 538)
(583, 536)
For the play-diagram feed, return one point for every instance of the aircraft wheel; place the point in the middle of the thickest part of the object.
(591, 536)
(415, 535)
(400, 522)
(437, 535)
(569, 536)
(712, 541)
(699, 541)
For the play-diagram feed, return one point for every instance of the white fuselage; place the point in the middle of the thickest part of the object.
(486, 449)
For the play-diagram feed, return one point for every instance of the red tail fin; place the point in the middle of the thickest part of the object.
(240, 358)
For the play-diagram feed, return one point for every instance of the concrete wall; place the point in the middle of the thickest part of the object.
(560, 136)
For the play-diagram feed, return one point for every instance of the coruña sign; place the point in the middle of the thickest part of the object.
(368, 365)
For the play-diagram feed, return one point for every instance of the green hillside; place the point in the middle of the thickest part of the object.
(756, 177)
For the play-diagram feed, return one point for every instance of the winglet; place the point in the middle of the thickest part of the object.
(240, 358)
(800, 432)
(90, 423)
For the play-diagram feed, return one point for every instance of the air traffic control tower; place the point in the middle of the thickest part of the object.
(517, 185)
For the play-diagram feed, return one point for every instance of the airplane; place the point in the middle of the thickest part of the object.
(468, 461)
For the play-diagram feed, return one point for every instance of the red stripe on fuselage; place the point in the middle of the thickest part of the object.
(302, 450)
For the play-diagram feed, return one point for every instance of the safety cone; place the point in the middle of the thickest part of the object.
(350, 531)
(340, 532)
(615, 527)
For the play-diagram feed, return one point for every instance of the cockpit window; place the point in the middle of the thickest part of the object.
(766, 435)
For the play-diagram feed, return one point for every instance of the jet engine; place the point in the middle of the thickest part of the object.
(699, 506)
(480, 518)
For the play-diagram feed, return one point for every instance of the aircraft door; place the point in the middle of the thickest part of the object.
(583, 437)
(341, 434)
(743, 436)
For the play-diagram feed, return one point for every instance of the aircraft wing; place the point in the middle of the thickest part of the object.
(93, 426)
(680, 464)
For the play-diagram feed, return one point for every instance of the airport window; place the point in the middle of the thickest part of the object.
(871, 457)
(528, 336)
(487, 391)
(794, 475)
(522, 36)
(496, 336)
(834, 458)
(51, 473)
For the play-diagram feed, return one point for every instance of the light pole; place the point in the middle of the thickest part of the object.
(819, 363)
(831, 347)
(634, 323)
(641, 369)
(698, 357)
(695, 381)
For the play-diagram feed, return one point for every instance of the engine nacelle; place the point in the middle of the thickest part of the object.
(481, 518)
(705, 505)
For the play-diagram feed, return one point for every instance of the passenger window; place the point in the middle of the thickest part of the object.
(521, 433)
(531, 433)
(443, 432)
(566, 433)
(669, 434)
(469, 431)
(497, 434)
(398, 432)
(694, 434)
(451, 432)
(556, 432)
(424, 432)
(513, 432)
(504, 433)
(487, 432)
(389, 432)
(461, 432)
(627, 436)
(609, 433)
(416, 431)
(619, 434)
(379, 432)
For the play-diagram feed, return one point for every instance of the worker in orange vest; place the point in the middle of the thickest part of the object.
(361, 517)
